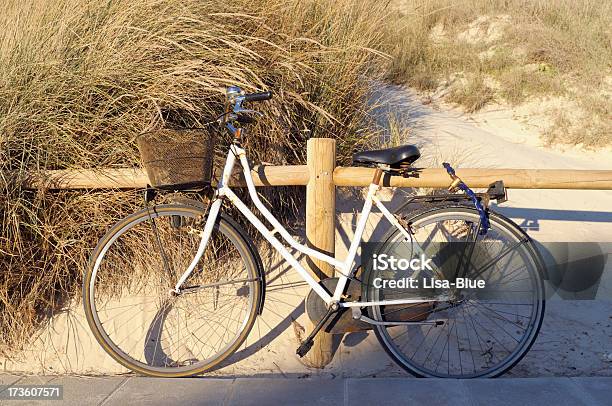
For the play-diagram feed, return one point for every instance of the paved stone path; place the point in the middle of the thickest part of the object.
(131, 390)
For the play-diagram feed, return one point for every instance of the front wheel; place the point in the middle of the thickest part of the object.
(140, 322)
(463, 333)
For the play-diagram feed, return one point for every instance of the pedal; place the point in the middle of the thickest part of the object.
(304, 347)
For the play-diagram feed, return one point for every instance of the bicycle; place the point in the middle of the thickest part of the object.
(189, 282)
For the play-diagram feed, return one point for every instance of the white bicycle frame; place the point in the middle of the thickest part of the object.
(344, 268)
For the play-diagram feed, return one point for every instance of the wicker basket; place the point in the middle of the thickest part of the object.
(177, 159)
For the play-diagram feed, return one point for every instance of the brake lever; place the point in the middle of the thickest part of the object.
(248, 111)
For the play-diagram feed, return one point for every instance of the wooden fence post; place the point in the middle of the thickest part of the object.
(321, 227)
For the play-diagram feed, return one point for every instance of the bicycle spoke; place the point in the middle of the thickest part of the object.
(492, 332)
(136, 311)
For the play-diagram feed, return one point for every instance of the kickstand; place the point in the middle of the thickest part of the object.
(309, 341)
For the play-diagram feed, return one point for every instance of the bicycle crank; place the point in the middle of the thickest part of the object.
(342, 322)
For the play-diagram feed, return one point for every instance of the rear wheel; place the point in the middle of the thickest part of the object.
(483, 333)
(136, 317)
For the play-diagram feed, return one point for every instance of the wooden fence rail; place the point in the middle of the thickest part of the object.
(129, 178)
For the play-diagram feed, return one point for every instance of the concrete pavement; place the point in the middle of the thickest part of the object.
(133, 390)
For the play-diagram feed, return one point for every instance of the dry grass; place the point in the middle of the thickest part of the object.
(474, 95)
(528, 49)
(79, 79)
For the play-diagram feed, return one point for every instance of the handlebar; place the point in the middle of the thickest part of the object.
(237, 113)
(261, 96)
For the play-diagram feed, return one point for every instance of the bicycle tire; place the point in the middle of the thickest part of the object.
(224, 225)
(499, 221)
